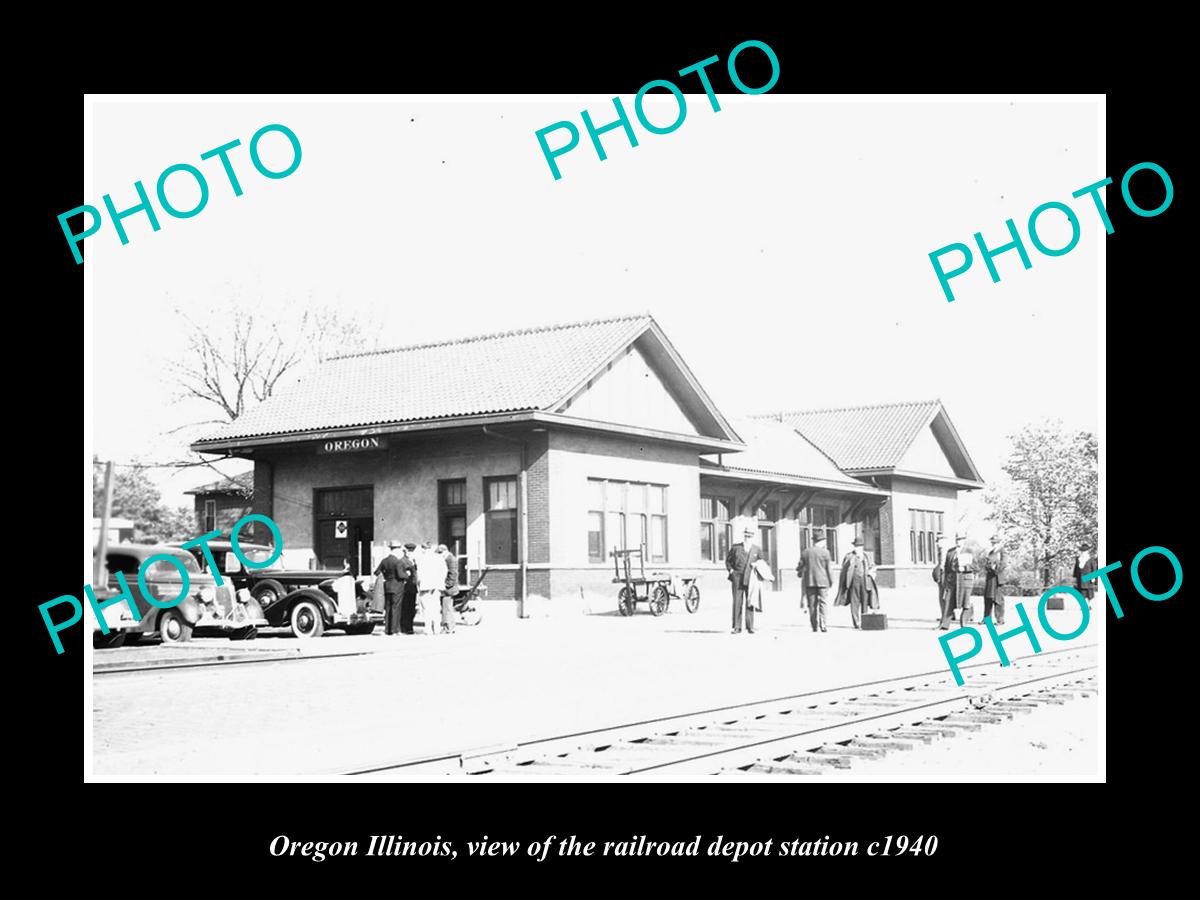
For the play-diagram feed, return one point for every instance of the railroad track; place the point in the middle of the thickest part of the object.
(799, 735)
(221, 660)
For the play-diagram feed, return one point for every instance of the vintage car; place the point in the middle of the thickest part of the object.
(304, 600)
(117, 618)
(206, 609)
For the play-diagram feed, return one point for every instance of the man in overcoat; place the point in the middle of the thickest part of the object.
(993, 585)
(739, 562)
(959, 577)
(857, 583)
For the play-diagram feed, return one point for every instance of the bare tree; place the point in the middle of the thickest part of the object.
(235, 360)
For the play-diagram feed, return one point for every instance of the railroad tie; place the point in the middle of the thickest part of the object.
(912, 734)
(936, 729)
(954, 723)
(985, 717)
(882, 743)
(784, 768)
(837, 762)
(851, 750)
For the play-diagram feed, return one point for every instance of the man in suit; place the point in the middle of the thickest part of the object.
(394, 577)
(1085, 564)
(958, 577)
(993, 585)
(408, 603)
(855, 582)
(431, 581)
(739, 562)
(816, 578)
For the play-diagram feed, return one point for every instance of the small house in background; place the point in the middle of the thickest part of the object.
(119, 530)
(219, 504)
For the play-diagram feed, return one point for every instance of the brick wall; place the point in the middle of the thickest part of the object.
(537, 486)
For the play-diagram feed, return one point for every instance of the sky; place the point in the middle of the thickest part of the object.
(782, 244)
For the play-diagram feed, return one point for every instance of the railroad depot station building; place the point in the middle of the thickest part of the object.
(535, 453)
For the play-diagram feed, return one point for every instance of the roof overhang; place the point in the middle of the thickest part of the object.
(245, 446)
(968, 484)
(711, 470)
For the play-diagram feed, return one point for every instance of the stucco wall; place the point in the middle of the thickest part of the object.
(404, 478)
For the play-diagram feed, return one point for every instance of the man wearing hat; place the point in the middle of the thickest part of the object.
(958, 579)
(394, 578)
(855, 582)
(993, 585)
(1085, 564)
(739, 562)
(408, 604)
(816, 578)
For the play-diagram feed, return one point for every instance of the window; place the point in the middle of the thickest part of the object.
(816, 520)
(454, 493)
(626, 515)
(162, 570)
(877, 536)
(210, 516)
(452, 522)
(500, 520)
(715, 530)
(925, 526)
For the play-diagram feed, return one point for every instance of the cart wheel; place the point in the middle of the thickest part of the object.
(692, 600)
(625, 602)
(660, 600)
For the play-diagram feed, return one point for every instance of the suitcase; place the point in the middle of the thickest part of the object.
(1055, 602)
(874, 621)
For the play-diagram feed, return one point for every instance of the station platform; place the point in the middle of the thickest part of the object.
(340, 703)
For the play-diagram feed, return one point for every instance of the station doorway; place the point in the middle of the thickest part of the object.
(343, 527)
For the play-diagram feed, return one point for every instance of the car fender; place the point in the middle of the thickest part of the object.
(253, 609)
(189, 607)
(326, 604)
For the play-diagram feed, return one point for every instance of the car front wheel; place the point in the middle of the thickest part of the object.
(307, 621)
(173, 628)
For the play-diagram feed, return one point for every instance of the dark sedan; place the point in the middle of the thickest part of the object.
(304, 600)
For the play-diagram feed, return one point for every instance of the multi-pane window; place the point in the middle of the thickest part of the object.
(452, 521)
(821, 520)
(210, 516)
(500, 520)
(925, 525)
(715, 530)
(626, 515)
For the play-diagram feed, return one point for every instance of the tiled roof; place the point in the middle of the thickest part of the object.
(862, 437)
(773, 448)
(506, 372)
(242, 483)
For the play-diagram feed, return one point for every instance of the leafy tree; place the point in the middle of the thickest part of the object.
(1047, 507)
(135, 497)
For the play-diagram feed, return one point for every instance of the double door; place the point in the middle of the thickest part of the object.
(344, 527)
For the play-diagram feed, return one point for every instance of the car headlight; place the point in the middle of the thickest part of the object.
(208, 594)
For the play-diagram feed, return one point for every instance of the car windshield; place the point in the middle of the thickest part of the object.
(163, 570)
(261, 554)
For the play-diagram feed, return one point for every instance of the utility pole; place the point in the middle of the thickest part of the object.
(102, 545)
